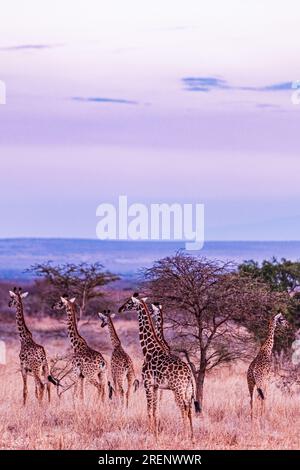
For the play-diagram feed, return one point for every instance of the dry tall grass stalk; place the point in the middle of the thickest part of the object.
(65, 424)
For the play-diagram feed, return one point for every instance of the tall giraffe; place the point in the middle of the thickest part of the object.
(86, 362)
(32, 356)
(158, 321)
(161, 370)
(122, 369)
(259, 369)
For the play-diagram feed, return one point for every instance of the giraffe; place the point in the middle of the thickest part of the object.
(32, 356)
(158, 323)
(259, 369)
(86, 362)
(157, 316)
(161, 370)
(122, 369)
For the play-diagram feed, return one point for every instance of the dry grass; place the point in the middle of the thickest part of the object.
(69, 424)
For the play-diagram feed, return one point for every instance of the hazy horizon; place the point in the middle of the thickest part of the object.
(126, 258)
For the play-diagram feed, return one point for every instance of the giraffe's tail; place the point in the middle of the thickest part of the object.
(197, 407)
(136, 384)
(54, 381)
(191, 396)
(111, 390)
(197, 404)
(260, 393)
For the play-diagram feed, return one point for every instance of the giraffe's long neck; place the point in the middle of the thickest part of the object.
(23, 331)
(267, 346)
(77, 341)
(159, 321)
(115, 341)
(149, 341)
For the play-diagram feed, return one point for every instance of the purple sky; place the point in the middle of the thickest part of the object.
(170, 103)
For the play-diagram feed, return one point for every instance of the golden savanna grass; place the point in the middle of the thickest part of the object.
(68, 424)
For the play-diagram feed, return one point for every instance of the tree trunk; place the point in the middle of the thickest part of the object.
(200, 378)
(200, 386)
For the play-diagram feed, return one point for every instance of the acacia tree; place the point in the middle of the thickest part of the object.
(83, 281)
(283, 275)
(208, 307)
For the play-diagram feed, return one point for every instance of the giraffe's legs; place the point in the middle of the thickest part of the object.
(75, 389)
(251, 388)
(119, 391)
(81, 387)
(97, 385)
(261, 408)
(100, 384)
(49, 392)
(261, 385)
(184, 409)
(159, 401)
(190, 418)
(188, 408)
(79, 384)
(115, 386)
(155, 410)
(39, 386)
(103, 381)
(149, 397)
(45, 372)
(130, 380)
(251, 384)
(25, 389)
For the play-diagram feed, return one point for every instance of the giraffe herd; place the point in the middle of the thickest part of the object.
(161, 369)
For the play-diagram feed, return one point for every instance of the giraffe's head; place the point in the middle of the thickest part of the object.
(63, 302)
(280, 320)
(155, 311)
(104, 317)
(132, 303)
(16, 295)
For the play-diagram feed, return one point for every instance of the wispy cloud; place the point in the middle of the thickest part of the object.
(267, 106)
(96, 99)
(23, 47)
(206, 84)
(274, 87)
